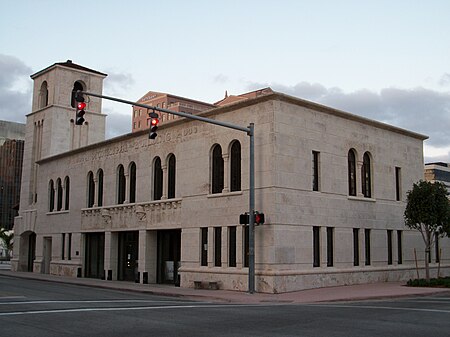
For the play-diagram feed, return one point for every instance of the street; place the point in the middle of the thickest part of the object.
(40, 308)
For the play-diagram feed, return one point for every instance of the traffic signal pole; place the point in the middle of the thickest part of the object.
(250, 131)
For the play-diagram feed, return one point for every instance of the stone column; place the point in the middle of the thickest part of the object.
(225, 247)
(165, 181)
(142, 253)
(226, 173)
(358, 179)
(210, 246)
(95, 191)
(127, 183)
(111, 245)
(240, 246)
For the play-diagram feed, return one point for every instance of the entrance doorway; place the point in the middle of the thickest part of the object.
(169, 256)
(128, 256)
(31, 255)
(95, 252)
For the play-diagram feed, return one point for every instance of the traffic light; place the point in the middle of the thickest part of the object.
(153, 127)
(81, 107)
(259, 218)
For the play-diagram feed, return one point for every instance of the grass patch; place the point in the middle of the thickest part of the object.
(442, 282)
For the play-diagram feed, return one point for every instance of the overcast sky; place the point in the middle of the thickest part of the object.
(386, 60)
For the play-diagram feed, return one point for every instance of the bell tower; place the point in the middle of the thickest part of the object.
(50, 127)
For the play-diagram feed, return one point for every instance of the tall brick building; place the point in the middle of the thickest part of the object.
(11, 156)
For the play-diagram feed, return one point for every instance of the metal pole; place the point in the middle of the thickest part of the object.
(181, 114)
(250, 132)
(251, 225)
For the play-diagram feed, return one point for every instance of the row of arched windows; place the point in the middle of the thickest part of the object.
(58, 194)
(218, 182)
(126, 179)
(366, 174)
(43, 94)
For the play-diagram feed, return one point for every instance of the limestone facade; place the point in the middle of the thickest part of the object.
(149, 210)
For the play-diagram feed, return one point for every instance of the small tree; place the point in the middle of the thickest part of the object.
(428, 211)
(8, 239)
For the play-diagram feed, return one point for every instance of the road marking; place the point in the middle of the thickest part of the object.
(57, 311)
(92, 301)
(10, 297)
(377, 307)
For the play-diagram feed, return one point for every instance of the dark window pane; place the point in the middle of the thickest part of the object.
(157, 179)
(235, 167)
(171, 177)
(217, 170)
(351, 173)
(316, 246)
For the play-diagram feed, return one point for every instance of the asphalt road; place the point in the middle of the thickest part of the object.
(39, 308)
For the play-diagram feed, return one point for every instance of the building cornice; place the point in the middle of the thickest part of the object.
(243, 104)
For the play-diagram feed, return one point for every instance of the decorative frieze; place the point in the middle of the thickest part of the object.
(137, 215)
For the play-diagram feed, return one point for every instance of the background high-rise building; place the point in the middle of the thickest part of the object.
(11, 156)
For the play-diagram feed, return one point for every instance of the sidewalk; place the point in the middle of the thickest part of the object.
(341, 293)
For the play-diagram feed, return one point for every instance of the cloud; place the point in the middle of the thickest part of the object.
(445, 80)
(117, 124)
(15, 93)
(117, 83)
(421, 110)
(220, 78)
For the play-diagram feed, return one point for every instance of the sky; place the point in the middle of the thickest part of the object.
(385, 60)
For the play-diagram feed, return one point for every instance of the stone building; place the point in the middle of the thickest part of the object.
(332, 186)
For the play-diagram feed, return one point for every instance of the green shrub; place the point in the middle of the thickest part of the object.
(434, 282)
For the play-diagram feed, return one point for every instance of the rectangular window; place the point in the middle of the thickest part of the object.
(330, 231)
(399, 248)
(398, 191)
(63, 245)
(315, 170)
(367, 245)
(356, 246)
(218, 246)
(389, 246)
(204, 247)
(232, 246)
(316, 246)
(246, 246)
(69, 246)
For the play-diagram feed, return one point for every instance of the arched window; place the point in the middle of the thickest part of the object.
(366, 178)
(91, 189)
(157, 179)
(132, 175)
(76, 86)
(171, 176)
(235, 166)
(351, 172)
(217, 170)
(51, 196)
(100, 188)
(120, 184)
(43, 95)
(67, 189)
(59, 192)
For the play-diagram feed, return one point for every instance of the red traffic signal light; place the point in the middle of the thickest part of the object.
(81, 105)
(153, 127)
(79, 116)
